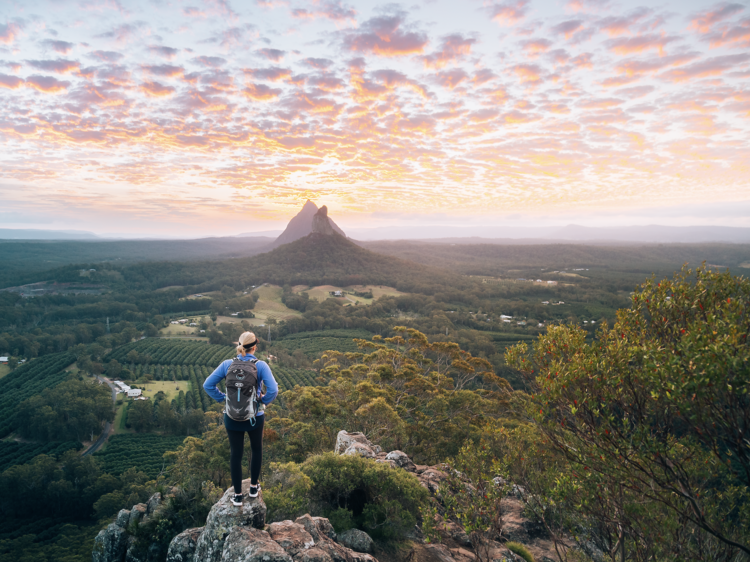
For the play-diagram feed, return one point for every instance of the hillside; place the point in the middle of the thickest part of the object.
(319, 259)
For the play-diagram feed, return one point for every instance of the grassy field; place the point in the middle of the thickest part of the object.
(322, 292)
(4, 370)
(178, 330)
(118, 425)
(170, 388)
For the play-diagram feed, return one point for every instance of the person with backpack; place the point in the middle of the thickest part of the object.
(244, 406)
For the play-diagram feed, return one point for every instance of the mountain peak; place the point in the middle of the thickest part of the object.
(310, 219)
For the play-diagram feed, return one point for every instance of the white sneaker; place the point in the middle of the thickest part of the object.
(237, 499)
(254, 491)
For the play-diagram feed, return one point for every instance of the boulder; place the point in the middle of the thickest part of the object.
(357, 540)
(292, 537)
(245, 544)
(153, 503)
(182, 547)
(344, 439)
(110, 545)
(312, 555)
(122, 518)
(360, 449)
(401, 460)
(319, 528)
(431, 478)
(137, 513)
(224, 517)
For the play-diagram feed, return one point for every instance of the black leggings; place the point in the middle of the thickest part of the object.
(237, 445)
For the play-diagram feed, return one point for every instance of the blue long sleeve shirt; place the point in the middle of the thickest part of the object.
(265, 376)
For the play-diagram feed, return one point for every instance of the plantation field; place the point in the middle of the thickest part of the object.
(313, 343)
(27, 380)
(13, 453)
(170, 388)
(173, 352)
(173, 330)
(288, 378)
(142, 451)
(322, 292)
(4, 370)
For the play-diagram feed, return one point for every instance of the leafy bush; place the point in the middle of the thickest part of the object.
(517, 548)
(349, 490)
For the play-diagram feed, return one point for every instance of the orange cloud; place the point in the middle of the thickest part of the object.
(639, 44)
(46, 84)
(164, 70)
(272, 74)
(620, 25)
(536, 46)
(9, 32)
(714, 66)
(704, 21)
(261, 92)
(10, 82)
(335, 11)
(383, 36)
(453, 47)
(60, 66)
(527, 73)
(568, 28)
(451, 78)
(155, 89)
(508, 13)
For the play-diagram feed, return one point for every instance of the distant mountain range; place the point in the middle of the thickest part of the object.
(34, 234)
(301, 225)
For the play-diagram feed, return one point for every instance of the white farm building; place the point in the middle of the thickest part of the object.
(133, 392)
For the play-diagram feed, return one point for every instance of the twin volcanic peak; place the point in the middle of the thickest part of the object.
(310, 219)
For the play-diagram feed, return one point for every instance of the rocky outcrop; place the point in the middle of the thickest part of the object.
(321, 224)
(111, 544)
(224, 517)
(245, 544)
(182, 547)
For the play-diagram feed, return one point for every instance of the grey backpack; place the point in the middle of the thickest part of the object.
(243, 400)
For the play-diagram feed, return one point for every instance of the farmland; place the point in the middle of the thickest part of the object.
(143, 452)
(172, 352)
(322, 292)
(12, 452)
(4, 370)
(28, 379)
(288, 378)
(172, 389)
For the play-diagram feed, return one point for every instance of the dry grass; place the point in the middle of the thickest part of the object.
(170, 388)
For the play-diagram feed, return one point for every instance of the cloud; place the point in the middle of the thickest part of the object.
(274, 55)
(10, 82)
(508, 13)
(714, 66)
(534, 47)
(123, 33)
(451, 78)
(60, 66)
(731, 35)
(635, 92)
(393, 78)
(167, 52)
(704, 21)
(317, 63)
(9, 32)
(452, 48)
(193, 12)
(615, 26)
(528, 73)
(272, 74)
(164, 70)
(261, 92)
(154, 89)
(106, 56)
(62, 47)
(47, 84)
(335, 11)
(567, 28)
(650, 66)
(212, 62)
(384, 36)
(639, 44)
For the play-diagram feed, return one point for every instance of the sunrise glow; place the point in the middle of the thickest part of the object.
(221, 116)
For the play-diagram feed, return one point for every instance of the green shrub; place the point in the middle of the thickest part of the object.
(522, 551)
(350, 490)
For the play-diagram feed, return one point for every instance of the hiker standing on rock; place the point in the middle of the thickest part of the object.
(244, 406)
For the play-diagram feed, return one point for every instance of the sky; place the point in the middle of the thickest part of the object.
(211, 117)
